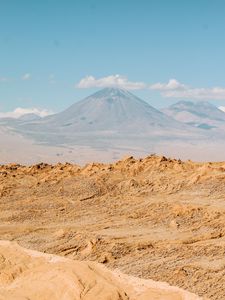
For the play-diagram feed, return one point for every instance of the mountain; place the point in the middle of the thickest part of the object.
(29, 117)
(199, 114)
(109, 110)
(12, 122)
(109, 124)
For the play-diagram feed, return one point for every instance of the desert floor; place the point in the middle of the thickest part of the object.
(154, 218)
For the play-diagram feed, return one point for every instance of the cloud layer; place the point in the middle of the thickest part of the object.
(172, 85)
(175, 89)
(19, 112)
(171, 89)
(110, 81)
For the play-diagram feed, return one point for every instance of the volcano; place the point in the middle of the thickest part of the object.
(109, 110)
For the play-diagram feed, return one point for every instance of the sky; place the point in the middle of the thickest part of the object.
(56, 52)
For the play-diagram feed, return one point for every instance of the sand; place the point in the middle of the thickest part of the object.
(153, 218)
(27, 274)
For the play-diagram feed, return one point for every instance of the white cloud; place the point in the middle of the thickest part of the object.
(110, 81)
(171, 89)
(222, 108)
(26, 76)
(175, 89)
(19, 112)
(173, 84)
(216, 93)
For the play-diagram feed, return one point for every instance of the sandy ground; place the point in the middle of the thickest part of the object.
(152, 218)
(27, 274)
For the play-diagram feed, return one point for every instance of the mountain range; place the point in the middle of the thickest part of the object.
(113, 122)
(109, 110)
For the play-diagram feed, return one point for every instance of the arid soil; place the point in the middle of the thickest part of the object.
(153, 218)
(27, 274)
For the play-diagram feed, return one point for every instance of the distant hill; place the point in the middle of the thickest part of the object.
(16, 121)
(29, 117)
(199, 114)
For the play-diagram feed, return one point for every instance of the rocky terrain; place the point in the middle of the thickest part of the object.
(154, 218)
(27, 274)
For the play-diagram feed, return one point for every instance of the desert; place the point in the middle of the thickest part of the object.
(112, 150)
(30, 274)
(153, 218)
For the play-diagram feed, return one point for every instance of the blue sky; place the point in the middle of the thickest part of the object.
(163, 50)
